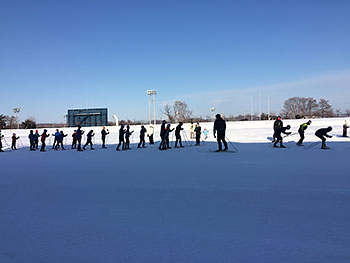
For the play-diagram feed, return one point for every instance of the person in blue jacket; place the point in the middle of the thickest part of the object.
(31, 137)
(59, 140)
(142, 137)
(36, 141)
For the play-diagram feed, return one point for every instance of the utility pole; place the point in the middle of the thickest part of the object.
(251, 108)
(16, 111)
(151, 93)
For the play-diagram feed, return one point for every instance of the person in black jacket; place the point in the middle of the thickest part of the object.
(278, 136)
(142, 137)
(178, 135)
(104, 133)
(36, 141)
(301, 132)
(74, 139)
(220, 130)
(198, 131)
(80, 133)
(277, 125)
(121, 137)
(162, 145)
(322, 133)
(44, 135)
(128, 133)
(89, 140)
(345, 129)
(167, 133)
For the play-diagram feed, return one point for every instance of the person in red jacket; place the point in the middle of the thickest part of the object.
(14, 139)
(43, 138)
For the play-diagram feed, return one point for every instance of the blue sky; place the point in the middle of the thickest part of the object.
(56, 55)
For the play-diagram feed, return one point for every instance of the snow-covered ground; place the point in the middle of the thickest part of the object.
(181, 205)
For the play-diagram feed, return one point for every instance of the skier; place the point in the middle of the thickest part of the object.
(150, 134)
(43, 138)
(60, 140)
(198, 131)
(345, 129)
(74, 140)
(79, 136)
(104, 133)
(168, 131)
(31, 137)
(205, 132)
(162, 145)
(278, 136)
(1, 136)
(220, 128)
(121, 137)
(14, 139)
(142, 137)
(301, 132)
(192, 130)
(55, 138)
(322, 133)
(276, 125)
(36, 141)
(178, 135)
(128, 133)
(89, 140)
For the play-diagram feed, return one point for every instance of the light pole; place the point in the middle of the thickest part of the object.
(212, 109)
(16, 111)
(151, 93)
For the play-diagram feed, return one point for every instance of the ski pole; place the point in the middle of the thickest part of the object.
(20, 140)
(236, 150)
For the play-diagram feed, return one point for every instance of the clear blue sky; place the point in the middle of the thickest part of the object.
(56, 55)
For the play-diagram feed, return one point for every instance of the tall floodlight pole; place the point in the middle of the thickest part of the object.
(259, 106)
(16, 111)
(251, 108)
(268, 107)
(212, 109)
(152, 95)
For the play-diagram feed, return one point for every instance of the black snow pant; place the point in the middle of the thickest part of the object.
(32, 146)
(58, 145)
(151, 139)
(79, 144)
(162, 145)
(142, 141)
(178, 139)
(302, 137)
(103, 142)
(54, 144)
(323, 140)
(167, 142)
(127, 143)
(278, 140)
(36, 142)
(87, 143)
(13, 146)
(42, 149)
(345, 132)
(221, 138)
(0, 146)
(74, 144)
(198, 139)
(121, 141)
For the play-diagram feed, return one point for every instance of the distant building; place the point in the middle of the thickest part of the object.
(87, 117)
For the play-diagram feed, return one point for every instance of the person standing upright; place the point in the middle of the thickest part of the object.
(128, 133)
(142, 137)
(178, 135)
(192, 130)
(43, 138)
(36, 141)
(198, 131)
(14, 140)
(345, 129)
(104, 133)
(79, 137)
(121, 137)
(277, 125)
(150, 134)
(220, 130)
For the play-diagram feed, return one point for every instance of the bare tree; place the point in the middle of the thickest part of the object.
(347, 111)
(167, 111)
(338, 112)
(325, 109)
(304, 107)
(182, 113)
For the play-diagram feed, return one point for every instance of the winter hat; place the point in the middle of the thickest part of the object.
(288, 127)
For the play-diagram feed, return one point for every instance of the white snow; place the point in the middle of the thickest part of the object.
(181, 205)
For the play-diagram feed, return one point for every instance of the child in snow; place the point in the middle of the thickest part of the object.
(192, 130)
(198, 131)
(322, 133)
(277, 125)
(278, 136)
(205, 133)
(150, 134)
(128, 133)
(121, 137)
(301, 132)
(345, 129)
(178, 134)
(59, 140)
(74, 139)
(43, 138)
(36, 135)
(104, 133)
(142, 137)
(14, 139)
(31, 137)
(89, 139)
